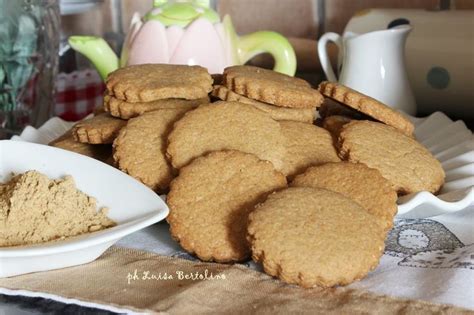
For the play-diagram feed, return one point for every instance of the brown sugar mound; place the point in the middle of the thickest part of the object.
(36, 209)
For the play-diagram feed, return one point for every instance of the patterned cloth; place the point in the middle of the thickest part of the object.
(78, 93)
(425, 259)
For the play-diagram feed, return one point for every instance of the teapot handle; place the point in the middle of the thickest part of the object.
(323, 53)
(273, 43)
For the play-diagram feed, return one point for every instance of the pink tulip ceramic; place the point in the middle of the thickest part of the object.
(187, 33)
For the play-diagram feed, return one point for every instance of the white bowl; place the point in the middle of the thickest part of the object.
(131, 205)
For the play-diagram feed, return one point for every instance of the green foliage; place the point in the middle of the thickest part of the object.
(19, 26)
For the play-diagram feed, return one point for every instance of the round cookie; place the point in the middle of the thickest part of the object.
(276, 112)
(210, 200)
(126, 110)
(407, 164)
(150, 82)
(226, 126)
(100, 129)
(140, 148)
(271, 87)
(306, 145)
(356, 181)
(367, 105)
(314, 237)
(101, 152)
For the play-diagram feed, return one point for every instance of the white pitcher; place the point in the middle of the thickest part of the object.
(374, 64)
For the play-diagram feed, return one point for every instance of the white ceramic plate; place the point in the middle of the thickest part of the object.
(451, 142)
(131, 204)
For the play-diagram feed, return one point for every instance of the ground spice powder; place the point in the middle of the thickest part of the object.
(36, 209)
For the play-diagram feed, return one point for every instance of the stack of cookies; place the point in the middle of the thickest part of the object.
(135, 90)
(140, 106)
(153, 97)
(234, 163)
(252, 175)
(369, 132)
(282, 96)
(92, 137)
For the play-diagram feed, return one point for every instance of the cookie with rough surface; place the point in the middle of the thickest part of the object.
(277, 112)
(100, 129)
(101, 152)
(357, 181)
(150, 82)
(226, 126)
(210, 201)
(126, 110)
(367, 105)
(271, 87)
(140, 148)
(314, 237)
(406, 163)
(306, 145)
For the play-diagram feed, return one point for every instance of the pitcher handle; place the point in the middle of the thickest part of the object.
(323, 53)
(268, 42)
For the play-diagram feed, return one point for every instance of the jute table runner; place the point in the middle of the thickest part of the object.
(145, 282)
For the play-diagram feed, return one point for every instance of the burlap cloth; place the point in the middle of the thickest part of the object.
(145, 282)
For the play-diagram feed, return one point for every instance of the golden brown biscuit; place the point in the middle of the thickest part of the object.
(407, 164)
(334, 124)
(101, 152)
(367, 105)
(271, 87)
(210, 200)
(226, 126)
(151, 82)
(140, 148)
(276, 112)
(125, 110)
(357, 181)
(314, 237)
(306, 145)
(100, 129)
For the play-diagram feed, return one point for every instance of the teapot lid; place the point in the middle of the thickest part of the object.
(181, 12)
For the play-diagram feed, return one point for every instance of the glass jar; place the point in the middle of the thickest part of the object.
(29, 42)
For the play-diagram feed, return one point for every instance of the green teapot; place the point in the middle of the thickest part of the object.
(186, 32)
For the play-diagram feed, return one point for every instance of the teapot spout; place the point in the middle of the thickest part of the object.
(97, 51)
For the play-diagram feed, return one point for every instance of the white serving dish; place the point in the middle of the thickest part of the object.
(131, 204)
(451, 142)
